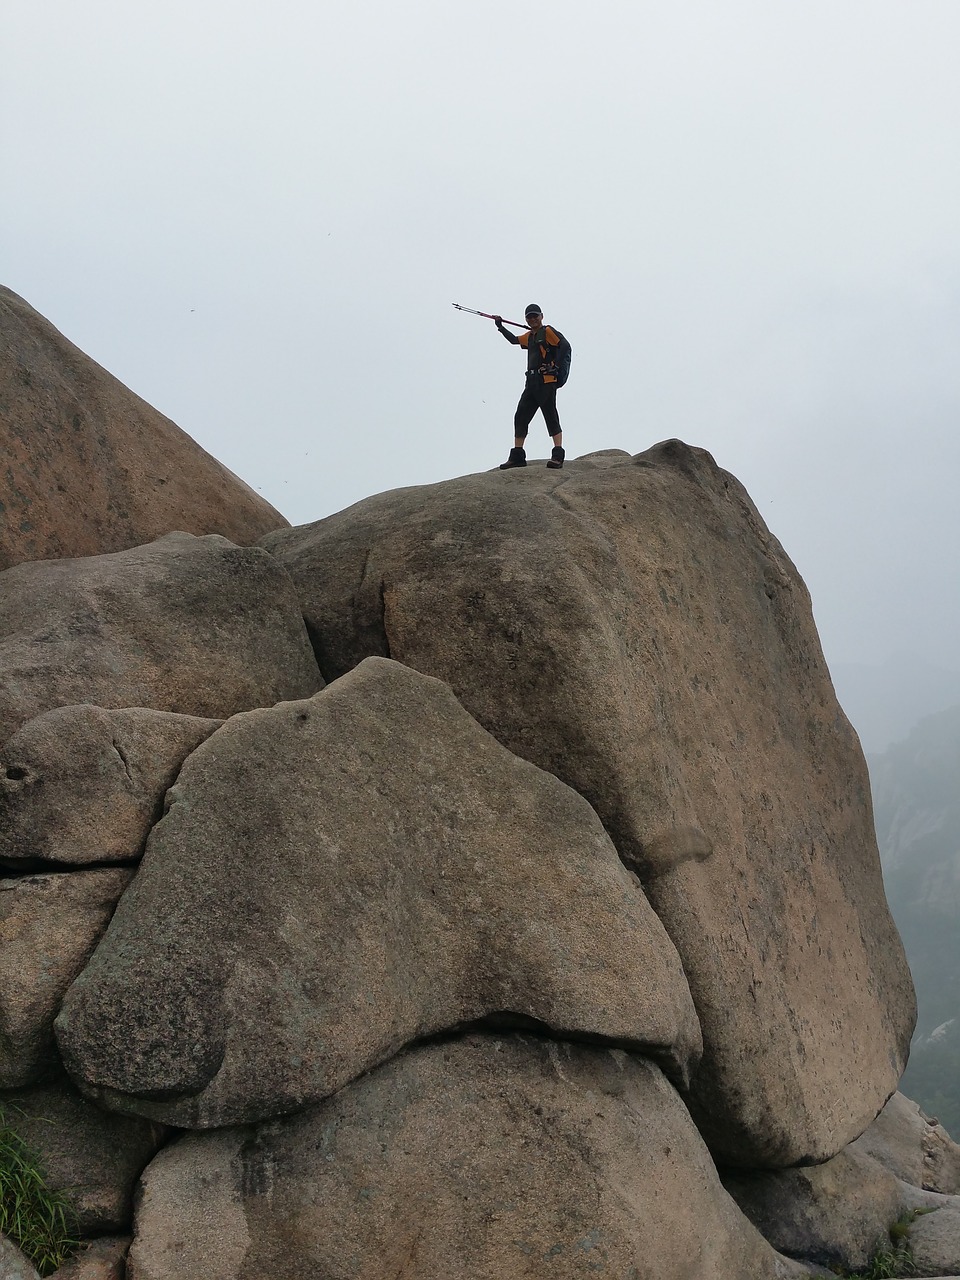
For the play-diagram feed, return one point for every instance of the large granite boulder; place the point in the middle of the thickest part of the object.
(480, 1157)
(935, 1243)
(49, 926)
(337, 877)
(102, 1259)
(89, 467)
(81, 784)
(859, 1212)
(913, 1146)
(191, 625)
(837, 1214)
(630, 625)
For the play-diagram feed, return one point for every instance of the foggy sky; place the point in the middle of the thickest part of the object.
(743, 215)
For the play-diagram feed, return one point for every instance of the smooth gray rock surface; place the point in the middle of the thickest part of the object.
(935, 1243)
(101, 1259)
(13, 1265)
(81, 784)
(481, 1157)
(631, 626)
(836, 1214)
(197, 626)
(913, 1146)
(340, 876)
(49, 926)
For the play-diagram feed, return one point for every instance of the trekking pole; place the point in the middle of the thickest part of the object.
(514, 324)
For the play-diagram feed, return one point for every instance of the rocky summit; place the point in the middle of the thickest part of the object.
(477, 884)
(631, 627)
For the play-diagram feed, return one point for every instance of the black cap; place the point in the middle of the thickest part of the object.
(532, 310)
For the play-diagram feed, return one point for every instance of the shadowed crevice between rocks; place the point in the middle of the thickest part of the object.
(509, 1021)
(316, 644)
(382, 595)
(44, 867)
(370, 620)
(493, 1026)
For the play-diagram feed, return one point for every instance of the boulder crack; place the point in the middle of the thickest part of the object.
(123, 759)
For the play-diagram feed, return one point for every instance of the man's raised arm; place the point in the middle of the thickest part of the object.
(510, 337)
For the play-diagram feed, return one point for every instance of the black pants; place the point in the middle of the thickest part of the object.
(541, 395)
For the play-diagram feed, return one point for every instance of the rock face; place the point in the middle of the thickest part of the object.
(914, 1147)
(13, 1265)
(392, 873)
(102, 1259)
(631, 626)
(82, 785)
(93, 1158)
(935, 1243)
(837, 1214)
(472, 963)
(89, 467)
(190, 625)
(871, 1208)
(49, 926)
(554, 1160)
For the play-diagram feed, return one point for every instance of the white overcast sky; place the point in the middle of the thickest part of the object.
(745, 214)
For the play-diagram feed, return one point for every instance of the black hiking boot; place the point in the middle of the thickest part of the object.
(557, 456)
(518, 458)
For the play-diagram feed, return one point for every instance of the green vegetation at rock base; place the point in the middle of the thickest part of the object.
(893, 1261)
(39, 1221)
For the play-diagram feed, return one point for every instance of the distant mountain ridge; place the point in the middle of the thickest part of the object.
(884, 701)
(917, 814)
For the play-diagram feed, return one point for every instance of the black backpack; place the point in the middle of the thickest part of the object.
(562, 358)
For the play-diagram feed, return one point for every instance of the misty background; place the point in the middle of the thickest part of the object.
(743, 216)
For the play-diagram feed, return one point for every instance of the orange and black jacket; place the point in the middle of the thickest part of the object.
(540, 348)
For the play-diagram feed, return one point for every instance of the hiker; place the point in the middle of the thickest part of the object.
(541, 344)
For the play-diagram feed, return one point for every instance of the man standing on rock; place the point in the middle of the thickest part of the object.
(540, 343)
